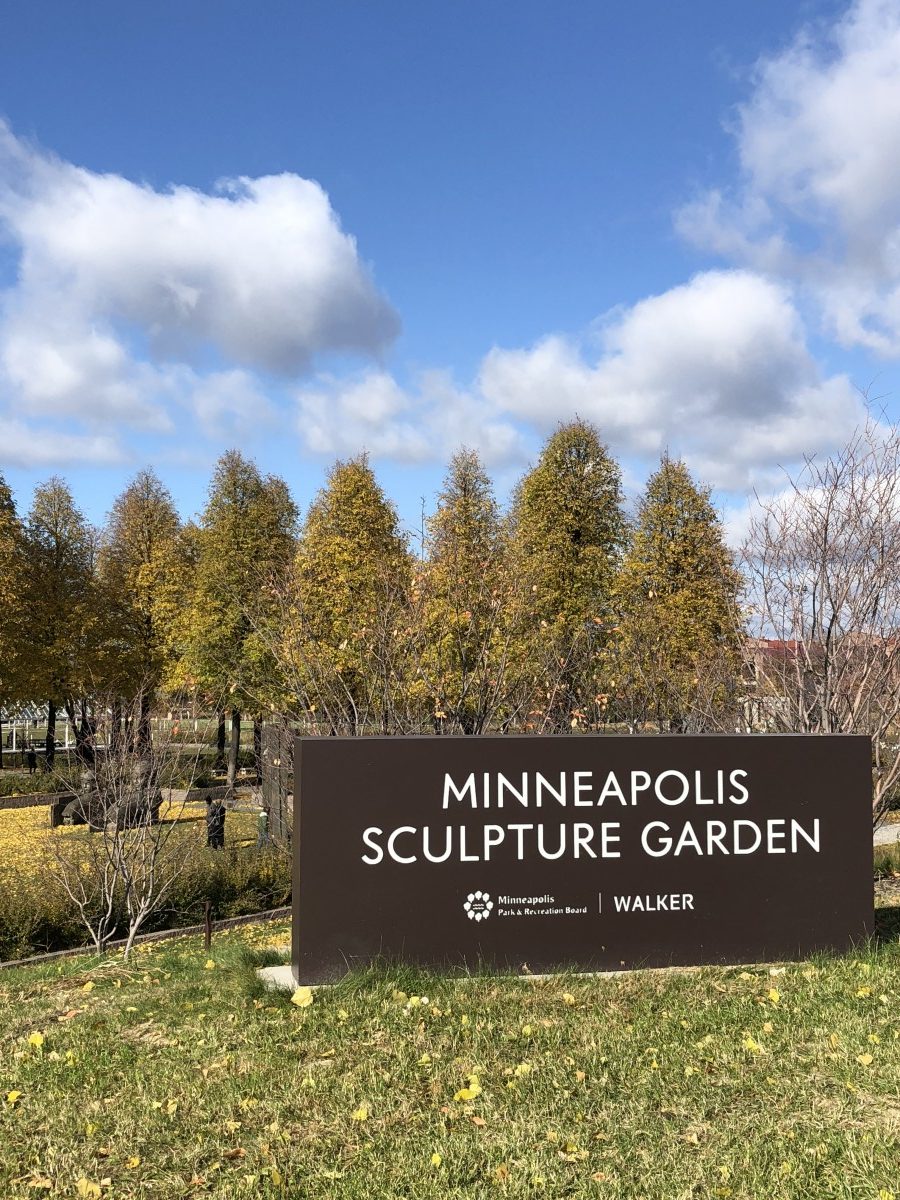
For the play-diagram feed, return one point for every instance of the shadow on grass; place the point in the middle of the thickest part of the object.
(887, 925)
(253, 987)
(391, 977)
(382, 975)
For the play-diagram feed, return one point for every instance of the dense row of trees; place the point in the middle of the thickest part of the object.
(558, 613)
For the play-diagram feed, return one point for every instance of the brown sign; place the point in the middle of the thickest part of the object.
(587, 852)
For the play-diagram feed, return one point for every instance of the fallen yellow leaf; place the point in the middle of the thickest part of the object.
(302, 997)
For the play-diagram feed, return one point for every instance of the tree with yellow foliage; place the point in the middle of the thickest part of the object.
(13, 632)
(568, 534)
(245, 540)
(66, 619)
(349, 610)
(464, 608)
(137, 562)
(679, 639)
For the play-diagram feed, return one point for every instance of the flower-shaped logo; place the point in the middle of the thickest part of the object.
(478, 906)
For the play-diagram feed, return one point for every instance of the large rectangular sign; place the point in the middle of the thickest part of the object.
(598, 853)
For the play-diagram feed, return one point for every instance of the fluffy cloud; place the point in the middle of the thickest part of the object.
(716, 370)
(372, 412)
(32, 446)
(65, 368)
(123, 291)
(261, 271)
(227, 404)
(819, 196)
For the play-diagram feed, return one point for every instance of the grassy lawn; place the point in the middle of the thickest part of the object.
(175, 1075)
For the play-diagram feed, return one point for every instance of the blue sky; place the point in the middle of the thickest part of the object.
(451, 223)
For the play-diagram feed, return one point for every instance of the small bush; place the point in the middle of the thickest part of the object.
(235, 881)
(20, 783)
(887, 861)
(199, 770)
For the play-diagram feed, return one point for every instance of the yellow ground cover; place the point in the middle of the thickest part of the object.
(25, 834)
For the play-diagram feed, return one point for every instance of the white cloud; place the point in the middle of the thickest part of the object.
(260, 270)
(31, 446)
(716, 370)
(819, 196)
(62, 367)
(123, 291)
(372, 412)
(227, 404)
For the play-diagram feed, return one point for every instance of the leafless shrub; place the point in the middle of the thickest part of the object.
(823, 565)
(125, 865)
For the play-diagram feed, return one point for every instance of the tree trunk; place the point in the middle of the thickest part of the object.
(220, 741)
(85, 737)
(50, 744)
(115, 728)
(144, 736)
(81, 729)
(257, 747)
(233, 749)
